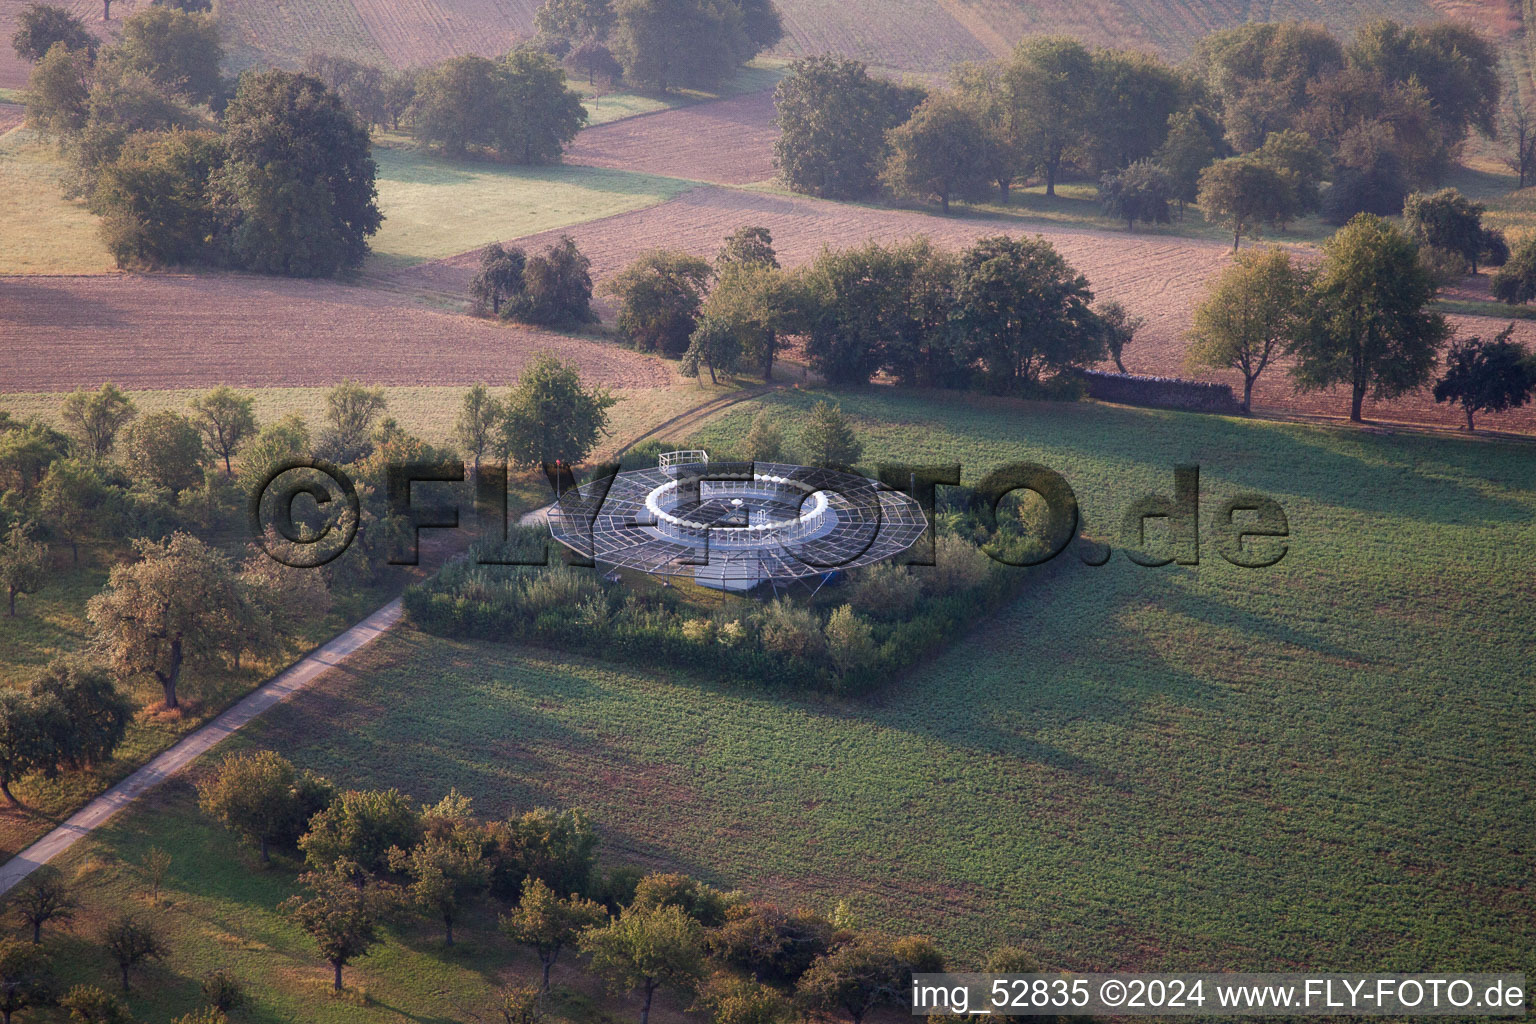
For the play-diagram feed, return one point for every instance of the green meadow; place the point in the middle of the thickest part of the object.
(1321, 765)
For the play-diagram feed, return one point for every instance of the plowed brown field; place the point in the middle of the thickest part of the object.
(14, 70)
(726, 141)
(170, 331)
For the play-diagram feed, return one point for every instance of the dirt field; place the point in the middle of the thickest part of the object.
(728, 141)
(11, 115)
(170, 331)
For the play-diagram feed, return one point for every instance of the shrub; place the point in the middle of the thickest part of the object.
(791, 629)
(885, 591)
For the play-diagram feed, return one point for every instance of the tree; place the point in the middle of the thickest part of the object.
(538, 114)
(176, 602)
(95, 417)
(360, 86)
(1249, 315)
(94, 713)
(659, 298)
(747, 247)
(1186, 151)
(759, 304)
(715, 345)
(1378, 127)
(23, 564)
(1367, 324)
(549, 417)
(1131, 97)
(351, 412)
(1260, 75)
(446, 871)
(558, 288)
(27, 453)
(131, 942)
(850, 640)
(1119, 328)
(575, 19)
(692, 44)
(832, 118)
(27, 728)
(861, 975)
(1049, 82)
(1140, 192)
(593, 60)
(765, 441)
(940, 151)
(227, 420)
(1487, 376)
(548, 924)
(1457, 68)
(770, 944)
(39, 26)
(828, 439)
(1446, 220)
(179, 52)
(300, 173)
(155, 201)
(342, 917)
(358, 829)
(475, 429)
(44, 897)
(1299, 160)
(1519, 135)
(1244, 194)
(88, 1004)
(1515, 281)
(58, 91)
(26, 977)
(157, 862)
(455, 103)
(559, 848)
(165, 449)
(521, 1005)
(1024, 311)
(500, 277)
(262, 798)
(647, 950)
(734, 1000)
(700, 901)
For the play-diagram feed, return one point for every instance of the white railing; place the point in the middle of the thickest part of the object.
(755, 533)
(686, 457)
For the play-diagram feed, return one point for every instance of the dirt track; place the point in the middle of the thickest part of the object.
(727, 141)
(169, 331)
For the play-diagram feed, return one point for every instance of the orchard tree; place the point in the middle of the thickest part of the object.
(95, 417)
(940, 151)
(27, 728)
(23, 564)
(1119, 328)
(1140, 192)
(27, 452)
(770, 944)
(131, 943)
(475, 429)
(559, 848)
(301, 173)
(735, 1000)
(1449, 221)
(26, 977)
(1243, 194)
(1515, 281)
(1050, 87)
(93, 714)
(1368, 324)
(715, 345)
(537, 115)
(647, 950)
(1487, 376)
(342, 917)
(765, 441)
(833, 118)
(499, 278)
(39, 26)
(1024, 311)
(351, 412)
(1186, 151)
(175, 602)
(1251, 312)
(358, 829)
(88, 1004)
(548, 924)
(828, 439)
(659, 298)
(42, 898)
(550, 417)
(262, 798)
(557, 288)
(165, 449)
(227, 420)
(179, 52)
(446, 872)
(747, 246)
(759, 303)
(865, 974)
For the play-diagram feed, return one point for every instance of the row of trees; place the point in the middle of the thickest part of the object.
(1278, 109)
(1007, 313)
(1360, 320)
(274, 175)
(371, 855)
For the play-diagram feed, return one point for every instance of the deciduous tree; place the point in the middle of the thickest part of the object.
(1249, 315)
(864, 974)
(94, 713)
(549, 924)
(1139, 192)
(262, 798)
(179, 52)
(26, 978)
(131, 943)
(342, 917)
(359, 828)
(1487, 376)
(39, 26)
(44, 897)
(1050, 80)
(95, 417)
(550, 417)
(23, 564)
(940, 151)
(647, 950)
(227, 420)
(446, 869)
(1243, 195)
(833, 118)
(165, 449)
(659, 298)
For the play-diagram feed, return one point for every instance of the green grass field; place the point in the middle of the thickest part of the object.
(604, 107)
(435, 207)
(41, 232)
(1323, 765)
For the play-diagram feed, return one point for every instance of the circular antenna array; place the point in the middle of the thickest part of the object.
(736, 525)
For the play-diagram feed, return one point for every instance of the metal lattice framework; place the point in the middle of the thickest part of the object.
(737, 524)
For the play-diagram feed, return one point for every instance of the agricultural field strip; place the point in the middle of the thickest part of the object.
(100, 810)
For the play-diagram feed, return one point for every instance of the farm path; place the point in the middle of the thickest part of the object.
(102, 809)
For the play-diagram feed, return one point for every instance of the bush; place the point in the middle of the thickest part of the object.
(557, 288)
(793, 630)
(885, 591)
(1515, 281)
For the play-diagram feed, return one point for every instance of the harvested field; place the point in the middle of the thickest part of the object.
(174, 331)
(13, 70)
(420, 31)
(918, 34)
(11, 115)
(728, 141)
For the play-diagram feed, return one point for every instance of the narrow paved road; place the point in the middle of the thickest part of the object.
(295, 678)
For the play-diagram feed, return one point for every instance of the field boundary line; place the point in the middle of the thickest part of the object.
(298, 676)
